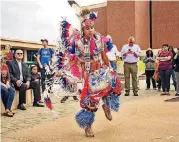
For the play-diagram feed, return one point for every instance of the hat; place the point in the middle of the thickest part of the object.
(87, 18)
(42, 40)
(149, 49)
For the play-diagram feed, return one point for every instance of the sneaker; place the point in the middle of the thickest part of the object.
(37, 105)
(163, 93)
(40, 101)
(147, 88)
(177, 94)
(154, 88)
(167, 93)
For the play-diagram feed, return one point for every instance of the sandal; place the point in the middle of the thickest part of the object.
(107, 112)
(12, 112)
(8, 114)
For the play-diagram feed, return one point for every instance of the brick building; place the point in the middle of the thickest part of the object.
(151, 23)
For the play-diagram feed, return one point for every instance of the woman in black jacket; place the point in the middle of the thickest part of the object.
(173, 67)
(176, 62)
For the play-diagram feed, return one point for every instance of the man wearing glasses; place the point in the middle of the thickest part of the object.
(20, 77)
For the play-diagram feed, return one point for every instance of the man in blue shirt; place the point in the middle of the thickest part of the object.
(44, 57)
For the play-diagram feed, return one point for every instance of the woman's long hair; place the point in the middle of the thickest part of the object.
(6, 79)
(147, 53)
(173, 52)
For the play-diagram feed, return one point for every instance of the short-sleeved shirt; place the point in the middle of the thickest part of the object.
(130, 58)
(113, 53)
(45, 55)
(164, 65)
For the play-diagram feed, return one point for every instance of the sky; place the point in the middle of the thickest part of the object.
(33, 20)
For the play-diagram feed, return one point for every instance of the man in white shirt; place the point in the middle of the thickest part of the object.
(130, 53)
(112, 54)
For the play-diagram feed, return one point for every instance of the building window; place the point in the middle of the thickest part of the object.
(31, 55)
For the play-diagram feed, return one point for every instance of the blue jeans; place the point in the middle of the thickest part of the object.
(113, 65)
(7, 96)
(165, 79)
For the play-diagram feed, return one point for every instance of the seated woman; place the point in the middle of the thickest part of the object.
(7, 92)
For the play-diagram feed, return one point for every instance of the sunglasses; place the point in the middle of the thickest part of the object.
(19, 53)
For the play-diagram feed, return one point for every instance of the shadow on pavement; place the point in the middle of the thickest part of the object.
(173, 100)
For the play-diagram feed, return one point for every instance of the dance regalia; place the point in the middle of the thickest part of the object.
(99, 81)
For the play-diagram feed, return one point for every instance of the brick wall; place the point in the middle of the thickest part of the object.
(120, 21)
(165, 23)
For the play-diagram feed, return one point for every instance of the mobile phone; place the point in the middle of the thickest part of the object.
(129, 49)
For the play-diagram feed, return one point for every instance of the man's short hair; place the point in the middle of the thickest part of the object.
(17, 50)
(131, 38)
(165, 45)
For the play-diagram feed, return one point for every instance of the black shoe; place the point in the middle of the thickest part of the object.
(136, 94)
(21, 107)
(64, 99)
(75, 98)
(37, 105)
(50, 92)
(126, 94)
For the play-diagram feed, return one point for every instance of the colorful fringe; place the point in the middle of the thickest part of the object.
(48, 102)
(112, 101)
(85, 118)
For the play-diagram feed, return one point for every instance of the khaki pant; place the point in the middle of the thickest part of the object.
(130, 69)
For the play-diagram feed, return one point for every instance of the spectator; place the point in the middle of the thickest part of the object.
(44, 57)
(173, 67)
(35, 83)
(165, 68)
(176, 62)
(20, 77)
(156, 75)
(130, 53)
(7, 92)
(149, 61)
(112, 54)
(7, 55)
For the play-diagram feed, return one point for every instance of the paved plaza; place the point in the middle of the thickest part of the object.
(146, 118)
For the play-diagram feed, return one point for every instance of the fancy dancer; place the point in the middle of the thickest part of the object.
(88, 49)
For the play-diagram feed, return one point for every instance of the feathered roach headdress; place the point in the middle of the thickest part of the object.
(87, 18)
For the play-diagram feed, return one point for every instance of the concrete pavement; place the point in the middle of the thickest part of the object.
(147, 118)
